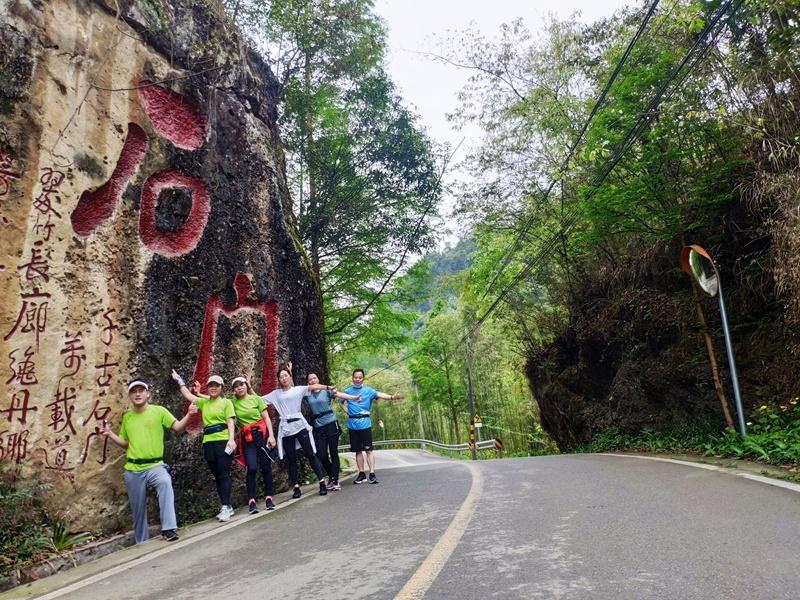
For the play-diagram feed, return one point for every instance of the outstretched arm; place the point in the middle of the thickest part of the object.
(316, 387)
(383, 396)
(185, 392)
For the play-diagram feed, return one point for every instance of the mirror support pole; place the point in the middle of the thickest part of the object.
(731, 362)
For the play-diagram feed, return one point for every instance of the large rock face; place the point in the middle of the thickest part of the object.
(633, 356)
(146, 225)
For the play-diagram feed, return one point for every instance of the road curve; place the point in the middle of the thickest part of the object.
(572, 526)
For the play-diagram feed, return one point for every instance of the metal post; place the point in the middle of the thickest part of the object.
(419, 415)
(731, 361)
(470, 399)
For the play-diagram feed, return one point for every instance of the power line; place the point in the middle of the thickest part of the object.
(644, 118)
(678, 76)
(600, 100)
(564, 164)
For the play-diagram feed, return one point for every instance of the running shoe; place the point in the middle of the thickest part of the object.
(372, 478)
(251, 507)
(334, 486)
(270, 504)
(297, 493)
(323, 489)
(169, 535)
(225, 514)
(362, 477)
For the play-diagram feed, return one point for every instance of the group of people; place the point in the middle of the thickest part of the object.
(256, 447)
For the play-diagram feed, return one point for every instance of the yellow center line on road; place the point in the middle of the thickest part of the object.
(416, 587)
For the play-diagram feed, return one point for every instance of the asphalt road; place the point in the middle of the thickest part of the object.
(575, 526)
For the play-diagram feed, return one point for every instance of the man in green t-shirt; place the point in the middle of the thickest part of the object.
(141, 434)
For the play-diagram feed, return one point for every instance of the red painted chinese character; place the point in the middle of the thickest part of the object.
(104, 379)
(244, 303)
(73, 353)
(43, 230)
(14, 446)
(25, 373)
(61, 410)
(178, 119)
(98, 414)
(50, 180)
(19, 405)
(37, 267)
(110, 328)
(96, 207)
(34, 313)
(186, 238)
(59, 446)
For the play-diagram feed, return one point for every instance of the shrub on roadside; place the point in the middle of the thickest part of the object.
(773, 436)
(24, 531)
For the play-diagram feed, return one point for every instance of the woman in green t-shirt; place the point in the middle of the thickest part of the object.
(256, 435)
(218, 436)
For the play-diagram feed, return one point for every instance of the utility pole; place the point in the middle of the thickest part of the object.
(419, 415)
(470, 399)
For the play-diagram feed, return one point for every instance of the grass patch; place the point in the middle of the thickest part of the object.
(773, 437)
(29, 532)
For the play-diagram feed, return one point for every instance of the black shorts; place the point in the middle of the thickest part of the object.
(360, 439)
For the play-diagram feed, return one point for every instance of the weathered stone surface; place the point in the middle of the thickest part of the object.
(146, 225)
(633, 356)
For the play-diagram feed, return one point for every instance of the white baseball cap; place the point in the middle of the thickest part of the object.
(137, 382)
(215, 379)
(239, 379)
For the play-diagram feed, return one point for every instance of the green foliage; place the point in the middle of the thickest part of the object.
(61, 538)
(773, 436)
(362, 174)
(24, 531)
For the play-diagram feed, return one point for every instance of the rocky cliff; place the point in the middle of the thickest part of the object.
(633, 355)
(146, 225)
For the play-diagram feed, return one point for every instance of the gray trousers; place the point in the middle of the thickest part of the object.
(137, 483)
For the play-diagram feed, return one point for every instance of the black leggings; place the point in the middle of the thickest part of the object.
(327, 440)
(220, 465)
(290, 453)
(256, 460)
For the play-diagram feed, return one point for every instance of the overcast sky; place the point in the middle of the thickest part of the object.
(430, 88)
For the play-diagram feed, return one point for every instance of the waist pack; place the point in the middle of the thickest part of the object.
(145, 461)
(215, 428)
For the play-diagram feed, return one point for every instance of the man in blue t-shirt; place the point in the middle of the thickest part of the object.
(359, 423)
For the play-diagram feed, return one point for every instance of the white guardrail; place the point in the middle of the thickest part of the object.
(482, 445)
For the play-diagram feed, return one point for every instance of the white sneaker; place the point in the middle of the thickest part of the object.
(225, 513)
